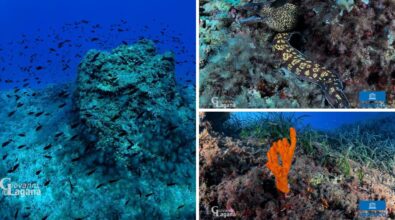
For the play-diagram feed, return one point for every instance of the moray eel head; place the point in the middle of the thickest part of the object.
(281, 19)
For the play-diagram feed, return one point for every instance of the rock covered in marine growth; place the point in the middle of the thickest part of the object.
(129, 102)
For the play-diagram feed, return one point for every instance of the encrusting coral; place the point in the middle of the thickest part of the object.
(286, 152)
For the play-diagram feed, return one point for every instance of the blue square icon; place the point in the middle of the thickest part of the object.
(372, 99)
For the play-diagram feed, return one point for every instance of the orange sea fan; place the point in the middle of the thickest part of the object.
(286, 151)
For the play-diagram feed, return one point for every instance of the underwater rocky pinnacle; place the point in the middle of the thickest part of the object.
(121, 147)
(129, 96)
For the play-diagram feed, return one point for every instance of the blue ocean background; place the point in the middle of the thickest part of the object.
(31, 28)
(325, 121)
(96, 114)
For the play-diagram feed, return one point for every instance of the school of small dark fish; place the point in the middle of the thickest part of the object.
(51, 56)
(40, 129)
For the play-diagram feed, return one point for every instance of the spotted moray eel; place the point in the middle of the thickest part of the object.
(283, 19)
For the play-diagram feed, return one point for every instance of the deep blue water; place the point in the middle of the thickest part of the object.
(332, 120)
(31, 28)
(327, 120)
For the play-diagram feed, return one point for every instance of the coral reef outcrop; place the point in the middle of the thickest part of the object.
(118, 145)
(131, 108)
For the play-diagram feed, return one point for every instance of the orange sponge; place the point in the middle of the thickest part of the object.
(285, 150)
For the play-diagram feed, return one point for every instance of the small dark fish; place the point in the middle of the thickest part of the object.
(22, 135)
(127, 202)
(115, 117)
(19, 105)
(5, 156)
(172, 128)
(58, 134)
(76, 159)
(11, 113)
(47, 182)
(93, 39)
(26, 215)
(47, 156)
(148, 195)
(62, 105)
(38, 114)
(48, 146)
(95, 56)
(38, 172)
(13, 168)
(39, 127)
(113, 181)
(91, 172)
(181, 206)
(88, 115)
(74, 137)
(122, 133)
(45, 217)
(21, 146)
(139, 192)
(30, 113)
(171, 184)
(39, 67)
(25, 85)
(74, 125)
(63, 94)
(100, 185)
(6, 143)
(16, 214)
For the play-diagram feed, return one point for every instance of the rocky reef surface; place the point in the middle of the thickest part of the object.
(355, 39)
(117, 145)
(325, 183)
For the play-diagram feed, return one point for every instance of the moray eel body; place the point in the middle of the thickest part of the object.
(310, 71)
(283, 19)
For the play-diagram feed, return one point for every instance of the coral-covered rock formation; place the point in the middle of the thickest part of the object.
(132, 111)
(118, 145)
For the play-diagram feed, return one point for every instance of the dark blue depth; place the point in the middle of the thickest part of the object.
(32, 28)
